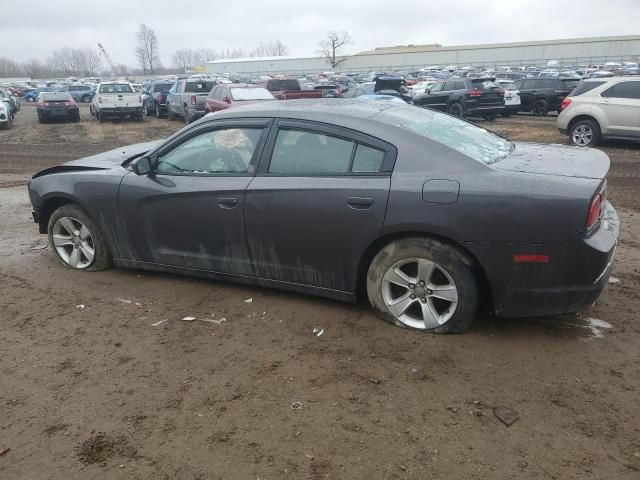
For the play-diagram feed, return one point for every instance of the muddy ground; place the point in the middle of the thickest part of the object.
(100, 377)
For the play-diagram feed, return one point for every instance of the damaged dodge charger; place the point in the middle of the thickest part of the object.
(430, 217)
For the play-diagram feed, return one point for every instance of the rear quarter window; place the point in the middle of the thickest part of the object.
(584, 87)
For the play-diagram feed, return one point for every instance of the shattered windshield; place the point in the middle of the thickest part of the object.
(464, 137)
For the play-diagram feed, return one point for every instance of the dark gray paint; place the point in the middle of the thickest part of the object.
(315, 234)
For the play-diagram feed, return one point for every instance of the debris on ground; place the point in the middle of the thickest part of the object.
(309, 456)
(101, 447)
(414, 370)
(249, 300)
(296, 405)
(213, 320)
(123, 300)
(80, 307)
(158, 323)
(374, 381)
(318, 331)
(506, 415)
(4, 450)
(614, 280)
(597, 326)
(188, 319)
(39, 247)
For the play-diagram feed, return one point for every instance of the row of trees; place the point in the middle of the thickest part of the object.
(86, 62)
(64, 62)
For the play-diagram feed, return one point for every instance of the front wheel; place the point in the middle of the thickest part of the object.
(585, 133)
(77, 240)
(86, 99)
(423, 284)
(491, 117)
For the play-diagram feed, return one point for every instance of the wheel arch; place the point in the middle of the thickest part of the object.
(583, 116)
(50, 204)
(371, 251)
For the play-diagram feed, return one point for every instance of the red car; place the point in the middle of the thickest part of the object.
(230, 95)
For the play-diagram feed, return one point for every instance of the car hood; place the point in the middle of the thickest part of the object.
(115, 157)
(102, 161)
(558, 160)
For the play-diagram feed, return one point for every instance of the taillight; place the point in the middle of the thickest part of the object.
(475, 93)
(160, 98)
(500, 91)
(596, 209)
(40, 104)
(565, 103)
(193, 100)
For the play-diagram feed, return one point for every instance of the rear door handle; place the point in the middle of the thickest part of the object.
(360, 203)
(227, 202)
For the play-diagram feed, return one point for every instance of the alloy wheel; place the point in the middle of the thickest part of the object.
(582, 135)
(419, 293)
(73, 242)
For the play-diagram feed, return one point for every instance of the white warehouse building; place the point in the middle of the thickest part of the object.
(573, 51)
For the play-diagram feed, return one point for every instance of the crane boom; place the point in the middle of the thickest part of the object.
(112, 66)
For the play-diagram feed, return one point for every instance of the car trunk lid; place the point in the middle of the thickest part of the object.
(558, 160)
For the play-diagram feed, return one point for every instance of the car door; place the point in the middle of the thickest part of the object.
(188, 212)
(621, 106)
(437, 97)
(171, 97)
(317, 202)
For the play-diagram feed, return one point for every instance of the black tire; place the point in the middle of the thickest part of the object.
(506, 114)
(491, 117)
(187, 117)
(75, 118)
(456, 109)
(102, 259)
(170, 115)
(99, 116)
(158, 112)
(540, 108)
(86, 99)
(595, 129)
(457, 264)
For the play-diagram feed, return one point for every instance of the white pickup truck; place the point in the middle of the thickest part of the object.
(116, 99)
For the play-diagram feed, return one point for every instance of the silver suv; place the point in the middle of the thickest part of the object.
(602, 108)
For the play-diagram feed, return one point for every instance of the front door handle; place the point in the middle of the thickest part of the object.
(360, 203)
(227, 202)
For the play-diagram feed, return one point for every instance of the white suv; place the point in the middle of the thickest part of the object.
(602, 108)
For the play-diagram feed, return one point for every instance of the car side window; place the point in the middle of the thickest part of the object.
(299, 153)
(624, 90)
(437, 87)
(367, 159)
(221, 151)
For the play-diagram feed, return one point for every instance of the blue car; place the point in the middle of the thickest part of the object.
(80, 93)
(31, 96)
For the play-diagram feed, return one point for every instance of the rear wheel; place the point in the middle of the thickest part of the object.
(31, 99)
(170, 115)
(456, 110)
(540, 108)
(145, 110)
(158, 112)
(86, 99)
(77, 240)
(187, 116)
(585, 133)
(423, 284)
(99, 116)
(491, 117)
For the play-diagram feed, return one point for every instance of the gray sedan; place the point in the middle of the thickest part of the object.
(430, 217)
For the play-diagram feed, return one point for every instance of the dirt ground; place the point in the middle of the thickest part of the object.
(100, 377)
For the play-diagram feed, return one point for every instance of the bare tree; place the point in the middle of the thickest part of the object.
(331, 43)
(147, 51)
(75, 61)
(34, 68)
(271, 49)
(183, 59)
(10, 68)
(204, 55)
(91, 62)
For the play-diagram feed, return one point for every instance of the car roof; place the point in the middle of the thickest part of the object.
(55, 95)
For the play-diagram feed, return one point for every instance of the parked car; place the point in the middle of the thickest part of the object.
(6, 117)
(342, 199)
(289, 89)
(154, 98)
(234, 95)
(329, 90)
(116, 99)
(80, 93)
(187, 98)
(421, 87)
(14, 101)
(542, 95)
(31, 96)
(57, 106)
(465, 97)
(601, 109)
(511, 97)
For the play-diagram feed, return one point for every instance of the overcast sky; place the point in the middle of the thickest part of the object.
(38, 30)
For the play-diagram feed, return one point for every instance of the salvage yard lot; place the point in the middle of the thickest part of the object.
(101, 377)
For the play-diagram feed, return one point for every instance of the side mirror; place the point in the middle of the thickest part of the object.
(141, 166)
(226, 100)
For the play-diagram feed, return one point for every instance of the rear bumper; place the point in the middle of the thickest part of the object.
(120, 111)
(488, 110)
(574, 278)
(62, 113)
(195, 113)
